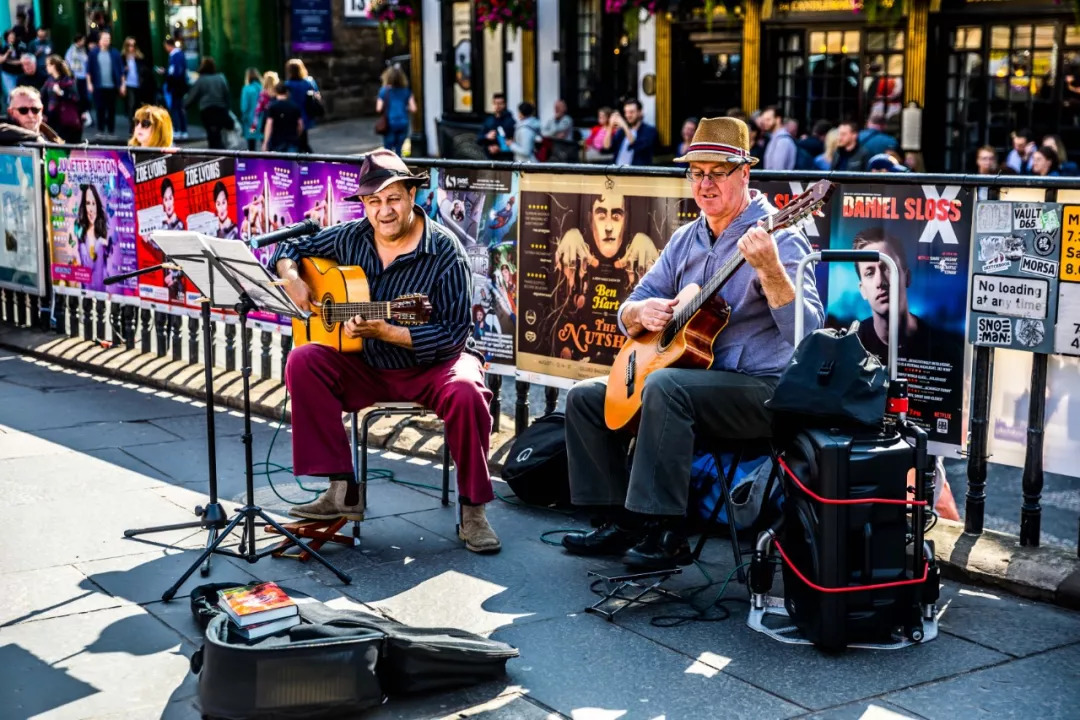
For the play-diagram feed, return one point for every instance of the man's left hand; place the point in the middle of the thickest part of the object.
(358, 327)
(759, 249)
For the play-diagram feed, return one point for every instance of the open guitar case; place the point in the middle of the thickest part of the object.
(336, 663)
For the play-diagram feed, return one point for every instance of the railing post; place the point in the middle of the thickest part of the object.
(265, 339)
(73, 316)
(193, 340)
(230, 347)
(975, 508)
(20, 304)
(161, 335)
(494, 383)
(127, 322)
(286, 348)
(551, 399)
(59, 313)
(176, 323)
(1031, 510)
(146, 323)
(521, 410)
(99, 311)
(88, 319)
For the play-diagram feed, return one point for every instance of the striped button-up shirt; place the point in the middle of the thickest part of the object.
(438, 268)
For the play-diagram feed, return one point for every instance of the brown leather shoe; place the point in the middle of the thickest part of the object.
(331, 505)
(476, 531)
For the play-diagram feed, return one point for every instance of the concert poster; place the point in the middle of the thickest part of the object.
(481, 208)
(584, 242)
(266, 192)
(926, 230)
(816, 227)
(327, 193)
(161, 203)
(1010, 402)
(91, 209)
(22, 250)
(210, 186)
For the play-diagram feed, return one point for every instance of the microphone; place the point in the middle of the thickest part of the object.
(307, 227)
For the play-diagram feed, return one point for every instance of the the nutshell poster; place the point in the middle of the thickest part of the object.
(584, 243)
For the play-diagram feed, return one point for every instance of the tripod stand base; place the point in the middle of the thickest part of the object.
(247, 515)
(213, 519)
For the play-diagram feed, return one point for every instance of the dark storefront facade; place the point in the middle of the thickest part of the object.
(1002, 66)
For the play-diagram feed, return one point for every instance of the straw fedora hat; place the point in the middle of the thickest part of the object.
(722, 139)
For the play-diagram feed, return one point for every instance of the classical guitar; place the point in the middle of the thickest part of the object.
(687, 340)
(342, 292)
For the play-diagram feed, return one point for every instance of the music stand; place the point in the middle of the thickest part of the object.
(228, 276)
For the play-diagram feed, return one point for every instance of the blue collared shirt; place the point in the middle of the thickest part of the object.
(758, 340)
(438, 268)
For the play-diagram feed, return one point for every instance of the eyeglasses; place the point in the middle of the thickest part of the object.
(145, 122)
(25, 110)
(696, 176)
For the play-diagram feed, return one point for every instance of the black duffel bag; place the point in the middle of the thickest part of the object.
(832, 380)
(536, 467)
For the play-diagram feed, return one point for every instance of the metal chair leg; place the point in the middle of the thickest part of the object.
(445, 472)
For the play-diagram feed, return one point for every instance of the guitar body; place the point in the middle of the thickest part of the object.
(331, 284)
(691, 348)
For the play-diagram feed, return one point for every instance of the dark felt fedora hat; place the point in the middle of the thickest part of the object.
(382, 168)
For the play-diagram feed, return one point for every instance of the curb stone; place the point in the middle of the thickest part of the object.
(994, 558)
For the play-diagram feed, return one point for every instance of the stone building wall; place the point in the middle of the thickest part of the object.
(349, 75)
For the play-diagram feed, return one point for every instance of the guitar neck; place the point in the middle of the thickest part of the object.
(713, 285)
(342, 312)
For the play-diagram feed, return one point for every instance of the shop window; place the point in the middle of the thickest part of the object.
(473, 63)
(598, 61)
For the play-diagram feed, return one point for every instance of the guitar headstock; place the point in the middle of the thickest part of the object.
(804, 204)
(411, 309)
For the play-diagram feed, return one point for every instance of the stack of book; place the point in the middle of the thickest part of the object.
(259, 610)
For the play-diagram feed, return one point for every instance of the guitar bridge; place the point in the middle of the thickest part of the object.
(631, 373)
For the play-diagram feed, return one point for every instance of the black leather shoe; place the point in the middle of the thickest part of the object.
(608, 539)
(662, 549)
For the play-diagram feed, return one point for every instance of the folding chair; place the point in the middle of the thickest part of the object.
(360, 441)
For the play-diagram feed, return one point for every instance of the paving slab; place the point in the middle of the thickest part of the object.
(1045, 686)
(1006, 623)
(143, 578)
(36, 595)
(489, 701)
(18, 444)
(108, 434)
(802, 674)
(868, 710)
(93, 404)
(582, 664)
(80, 666)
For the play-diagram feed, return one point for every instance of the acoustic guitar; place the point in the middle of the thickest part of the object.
(341, 292)
(687, 340)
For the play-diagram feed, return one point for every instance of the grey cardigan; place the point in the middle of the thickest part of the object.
(210, 91)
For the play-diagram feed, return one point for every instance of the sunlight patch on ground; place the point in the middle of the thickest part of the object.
(708, 664)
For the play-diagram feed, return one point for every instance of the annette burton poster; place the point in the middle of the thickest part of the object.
(481, 208)
(583, 244)
(926, 230)
(92, 221)
(266, 193)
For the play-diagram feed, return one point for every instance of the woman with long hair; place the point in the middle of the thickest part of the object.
(397, 101)
(151, 127)
(137, 85)
(211, 93)
(249, 101)
(61, 97)
(96, 249)
(270, 80)
(301, 87)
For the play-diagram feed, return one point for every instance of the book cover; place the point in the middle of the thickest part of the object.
(251, 604)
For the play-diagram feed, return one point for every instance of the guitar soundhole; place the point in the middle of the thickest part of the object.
(327, 312)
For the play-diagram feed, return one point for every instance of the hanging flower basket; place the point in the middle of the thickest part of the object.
(393, 16)
(631, 10)
(513, 14)
(880, 12)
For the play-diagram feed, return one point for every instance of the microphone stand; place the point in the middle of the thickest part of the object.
(213, 515)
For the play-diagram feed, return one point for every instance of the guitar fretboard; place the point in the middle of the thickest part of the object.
(710, 288)
(342, 312)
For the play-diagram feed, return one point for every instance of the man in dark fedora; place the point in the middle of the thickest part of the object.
(645, 507)
(401, 251)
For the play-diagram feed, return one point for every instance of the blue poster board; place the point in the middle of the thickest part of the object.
(312, 26)
(22, 252)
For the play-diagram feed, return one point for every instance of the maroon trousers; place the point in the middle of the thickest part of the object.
(323, 383)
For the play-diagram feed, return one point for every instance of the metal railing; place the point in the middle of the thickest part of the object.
(164, 332)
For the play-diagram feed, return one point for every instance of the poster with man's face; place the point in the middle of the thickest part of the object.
(584, 243)
(926, 232)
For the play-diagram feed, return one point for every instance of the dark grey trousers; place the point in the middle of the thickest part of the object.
(678, 407)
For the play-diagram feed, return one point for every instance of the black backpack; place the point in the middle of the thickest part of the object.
(536, 468)
(832, 380)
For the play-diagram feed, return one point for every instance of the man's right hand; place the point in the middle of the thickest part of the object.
(300, 293)
(650, 315)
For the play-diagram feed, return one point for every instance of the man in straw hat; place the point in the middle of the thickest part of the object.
(644, 508)
(401, 251)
